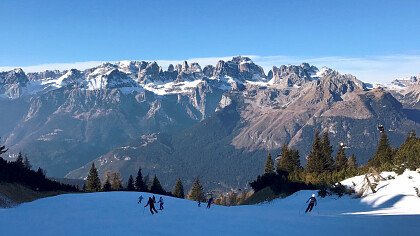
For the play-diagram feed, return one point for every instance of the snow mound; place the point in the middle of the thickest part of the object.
(394, 194)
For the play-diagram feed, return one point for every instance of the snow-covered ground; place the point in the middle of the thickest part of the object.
(393, 210)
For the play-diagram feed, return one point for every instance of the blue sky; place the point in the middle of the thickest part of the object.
(58, 31)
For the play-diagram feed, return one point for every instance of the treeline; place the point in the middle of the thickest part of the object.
(286, 175)
(113, 182)
(20, 171)
(387, 158)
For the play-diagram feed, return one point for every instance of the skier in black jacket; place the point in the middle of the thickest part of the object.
(209, 202)
(151, 204)
(312, 202)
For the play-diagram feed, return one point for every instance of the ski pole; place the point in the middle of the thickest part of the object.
(143, 209)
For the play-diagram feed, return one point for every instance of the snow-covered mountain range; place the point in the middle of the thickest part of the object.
(185, 120)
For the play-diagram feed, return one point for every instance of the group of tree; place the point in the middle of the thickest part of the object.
(322, 169)
(287, 176)
(407, 156)
(113, 182)
(20, 171)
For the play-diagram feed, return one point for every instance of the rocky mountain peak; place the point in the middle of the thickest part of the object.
(338, 84)
(185, 66)
(16, 76)
(150, 73)
(291, 75)
(170, 68)
(241, 68)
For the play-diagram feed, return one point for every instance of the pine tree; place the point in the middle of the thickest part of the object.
(107, 185)
(178, 189)
(352, 163)
(269, 165)
(327, 151)
(26, 163)
(196, 192)
(289, 161)
(156, 186)
(147, 182)
(384, 154)
(341, 159)
(408, 154)
(130, 184)
(140, 184)
(19, 161)
(93, 183)
(116, 181)
(315, 158)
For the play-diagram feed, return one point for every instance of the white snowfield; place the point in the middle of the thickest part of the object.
(393, 210)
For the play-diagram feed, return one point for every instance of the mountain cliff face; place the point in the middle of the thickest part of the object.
(407, 91)
(214, 121)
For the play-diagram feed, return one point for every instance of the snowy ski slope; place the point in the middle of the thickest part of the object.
(393, 210)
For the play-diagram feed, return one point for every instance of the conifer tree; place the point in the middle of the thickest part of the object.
(156, 186)
(314, 162)
(140, 184)
(352, 163)
(147, 182)
(26, 163)
(269, 165)
(93, 183)
(289, 161)
(107, 185)
(178, 189)
(116, 181)
(196, 192)
(408, 154)
(384, 154)
(327, 151)
(19, 161)
(130, 184)
(341, 159)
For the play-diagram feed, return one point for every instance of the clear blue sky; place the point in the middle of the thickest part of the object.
(37, 32)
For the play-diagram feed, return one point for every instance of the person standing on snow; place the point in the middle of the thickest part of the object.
(160, 203)
(151, 205)
(154, 199)
(199, 203)
(140, 199)
(312, 202)
(210, 201)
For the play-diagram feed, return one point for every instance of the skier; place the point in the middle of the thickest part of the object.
(140, 199)
(154, 199)
(311, 201)
(160, 203)
(210, 201)
(151, 205)
(199, 203)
